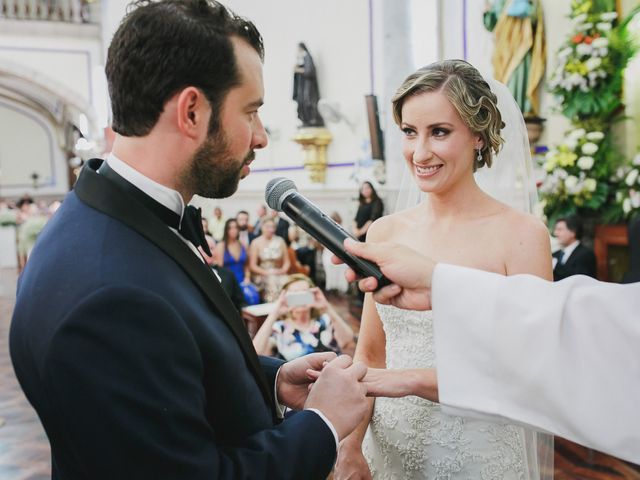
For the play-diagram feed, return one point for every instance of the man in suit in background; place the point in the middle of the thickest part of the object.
(573, 258)
(122, 338)
(245, 230)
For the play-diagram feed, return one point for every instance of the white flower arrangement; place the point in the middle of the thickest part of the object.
(628, 193)
(585, 163)
(589, 148)
(595, 136)
(570, 174)
(581, 65)
(582, 174)
(632, 177)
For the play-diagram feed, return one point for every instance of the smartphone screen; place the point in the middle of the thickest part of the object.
(299, 298)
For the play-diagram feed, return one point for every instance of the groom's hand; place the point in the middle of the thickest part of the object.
(340, 394)
(409, 271)
(294, 379)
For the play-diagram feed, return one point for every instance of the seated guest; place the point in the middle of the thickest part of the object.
(298, 326)
(281, 223)
(205, 228)
(216, 224)
(245, 230)
(231, 253)
(261, 213)
(573, 258)
(297, 266)
(269, 261)
(305, 252)
(227, 279)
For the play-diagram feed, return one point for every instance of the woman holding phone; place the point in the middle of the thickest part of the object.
(302, 322)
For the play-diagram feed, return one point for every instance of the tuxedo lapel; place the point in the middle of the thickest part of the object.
(104, 196)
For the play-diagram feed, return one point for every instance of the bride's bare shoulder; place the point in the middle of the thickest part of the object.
(523, 227)
(387, 227)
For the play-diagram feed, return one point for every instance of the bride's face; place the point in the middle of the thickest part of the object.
(437, 145)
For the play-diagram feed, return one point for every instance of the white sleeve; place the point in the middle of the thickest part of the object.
(562, 357)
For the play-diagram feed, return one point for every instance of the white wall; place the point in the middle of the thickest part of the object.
(28, 144)
(66, 55)
(56, 64)
(336, 34)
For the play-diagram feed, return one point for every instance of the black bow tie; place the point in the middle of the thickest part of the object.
(191, 228)
(191, 225)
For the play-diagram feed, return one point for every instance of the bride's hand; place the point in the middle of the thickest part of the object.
(351, 464)
(421, 382)
(381, 382)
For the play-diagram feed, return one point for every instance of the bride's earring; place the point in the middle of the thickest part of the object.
(479, 157)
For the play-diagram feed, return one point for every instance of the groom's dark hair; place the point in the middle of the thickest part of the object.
(163, 47)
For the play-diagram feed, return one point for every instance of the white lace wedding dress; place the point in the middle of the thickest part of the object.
(411, 438)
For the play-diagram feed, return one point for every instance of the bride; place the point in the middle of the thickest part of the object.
(451, 127)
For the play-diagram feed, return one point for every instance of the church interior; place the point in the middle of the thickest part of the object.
(330, 70)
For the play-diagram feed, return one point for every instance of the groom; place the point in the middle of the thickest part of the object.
(122, 338)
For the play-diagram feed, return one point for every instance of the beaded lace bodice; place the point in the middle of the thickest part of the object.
(412, 438)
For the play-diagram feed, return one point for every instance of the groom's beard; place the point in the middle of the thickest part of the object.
(213, 173)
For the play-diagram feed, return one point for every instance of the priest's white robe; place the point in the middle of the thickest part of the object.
(563, 357)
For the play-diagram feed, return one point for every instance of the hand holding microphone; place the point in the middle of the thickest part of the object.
(282, 195)
(410, 272)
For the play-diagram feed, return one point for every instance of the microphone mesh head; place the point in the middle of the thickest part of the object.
(275, 190)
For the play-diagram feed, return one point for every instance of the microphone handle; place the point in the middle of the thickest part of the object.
(330, 234)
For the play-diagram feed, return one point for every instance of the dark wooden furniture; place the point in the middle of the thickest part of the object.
(611, 246)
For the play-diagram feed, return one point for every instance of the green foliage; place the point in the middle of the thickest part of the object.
(588, 82)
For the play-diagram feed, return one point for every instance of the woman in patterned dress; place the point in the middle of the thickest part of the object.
(268, 261)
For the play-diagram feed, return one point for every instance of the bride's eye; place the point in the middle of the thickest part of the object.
(408, 131)
(440, 132)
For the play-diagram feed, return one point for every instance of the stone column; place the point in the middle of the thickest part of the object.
(393, 62)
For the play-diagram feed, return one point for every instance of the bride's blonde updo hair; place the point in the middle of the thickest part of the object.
(468, 92)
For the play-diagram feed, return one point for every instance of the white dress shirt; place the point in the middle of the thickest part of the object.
(162, 194)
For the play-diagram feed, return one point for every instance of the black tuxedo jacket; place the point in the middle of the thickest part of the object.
(136, 361)
(231, 286)
(582, 261)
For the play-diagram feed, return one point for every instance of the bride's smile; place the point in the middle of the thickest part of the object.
(427, 171)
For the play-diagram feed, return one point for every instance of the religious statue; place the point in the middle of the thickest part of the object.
(305, 89)
(519, 58)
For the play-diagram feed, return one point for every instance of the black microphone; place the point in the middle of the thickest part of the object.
(282, 195)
